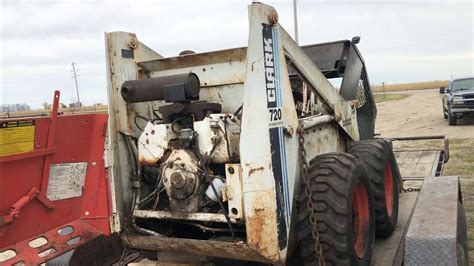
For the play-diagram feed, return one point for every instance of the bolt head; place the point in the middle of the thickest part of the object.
(133, 43)
(178, 181)
(273, 18)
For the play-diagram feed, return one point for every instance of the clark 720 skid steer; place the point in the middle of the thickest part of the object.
(251, 154)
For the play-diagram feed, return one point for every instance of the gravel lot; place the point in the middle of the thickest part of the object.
(419, 114)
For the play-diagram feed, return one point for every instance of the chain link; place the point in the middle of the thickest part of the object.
(411, 189)
(310, 205)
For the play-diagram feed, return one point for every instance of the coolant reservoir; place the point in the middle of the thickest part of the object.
(219, 185)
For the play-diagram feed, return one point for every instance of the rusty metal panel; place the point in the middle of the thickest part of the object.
(186, 216)
(432, 234)
(269, 173)
(232, 250)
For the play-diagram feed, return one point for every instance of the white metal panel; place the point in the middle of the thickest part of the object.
(233, 191)
(218, 137)
(211, 75)
(153, 143)
(258, 184)
(231, 97)
(119, 70)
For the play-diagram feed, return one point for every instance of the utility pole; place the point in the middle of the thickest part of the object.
(383, 89)
(295, 17)
(75, 81)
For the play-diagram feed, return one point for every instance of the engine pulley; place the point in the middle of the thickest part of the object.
(182, 181)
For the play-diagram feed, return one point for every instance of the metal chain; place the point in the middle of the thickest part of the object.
(312, 216)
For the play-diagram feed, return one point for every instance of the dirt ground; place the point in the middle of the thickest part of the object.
(419, 114)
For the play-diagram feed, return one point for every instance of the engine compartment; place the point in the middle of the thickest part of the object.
(183, 159)
(187, 156)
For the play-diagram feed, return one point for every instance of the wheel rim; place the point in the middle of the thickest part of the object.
(388, 188)
(360, 219)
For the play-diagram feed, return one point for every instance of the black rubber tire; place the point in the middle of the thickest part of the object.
(102, 250)
(333, 178)
(375, 154)
(452, 121)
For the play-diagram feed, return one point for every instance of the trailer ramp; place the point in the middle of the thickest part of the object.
(432, 236)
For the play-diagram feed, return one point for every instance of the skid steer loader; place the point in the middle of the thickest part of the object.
(249, 153)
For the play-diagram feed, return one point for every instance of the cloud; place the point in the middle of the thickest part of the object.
(40, 39)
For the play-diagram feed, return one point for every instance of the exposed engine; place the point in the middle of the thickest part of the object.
(183, 152)
(189, 146)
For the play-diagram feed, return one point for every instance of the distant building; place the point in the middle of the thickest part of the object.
(18, 107)
(75, 105)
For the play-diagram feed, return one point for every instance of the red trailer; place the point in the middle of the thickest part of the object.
(53, 184)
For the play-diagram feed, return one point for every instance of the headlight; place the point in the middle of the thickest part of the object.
(458, 100)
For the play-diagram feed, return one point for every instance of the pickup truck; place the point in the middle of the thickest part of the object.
(458, 100)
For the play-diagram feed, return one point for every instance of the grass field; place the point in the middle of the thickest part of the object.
(461, 163)
(380, 97)
(411, 86)
(99, 109)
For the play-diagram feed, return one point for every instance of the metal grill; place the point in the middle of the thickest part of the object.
(366, 109)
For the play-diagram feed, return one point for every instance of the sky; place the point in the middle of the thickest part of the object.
(401, 41)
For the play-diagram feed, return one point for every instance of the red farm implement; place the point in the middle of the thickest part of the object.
(53, 184)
